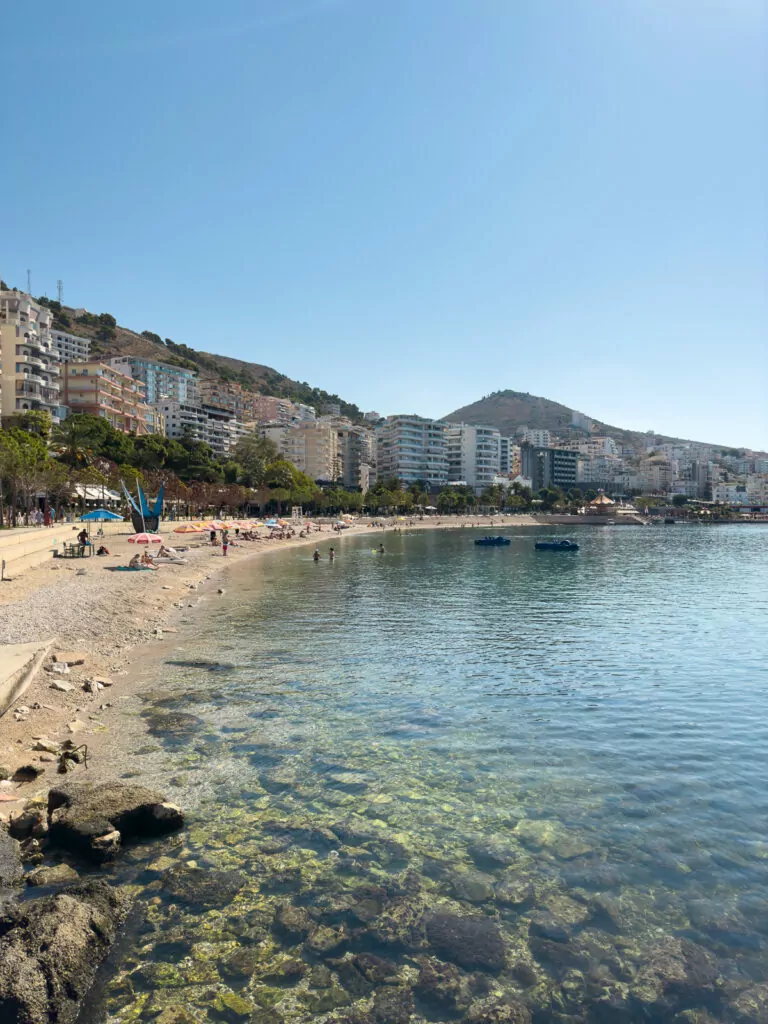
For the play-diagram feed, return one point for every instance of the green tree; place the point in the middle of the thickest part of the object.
(279, 474)
(254, 454)
(33, 421)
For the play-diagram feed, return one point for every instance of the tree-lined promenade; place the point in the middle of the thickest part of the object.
(49, 467)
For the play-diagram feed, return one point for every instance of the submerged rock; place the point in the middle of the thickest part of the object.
(203, 887)
(393, 1005)
(498, 1011)
(84, 816)
(467, 941)
(50, 949)
(442, 986)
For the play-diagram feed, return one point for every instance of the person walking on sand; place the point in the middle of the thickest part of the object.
(224, 542)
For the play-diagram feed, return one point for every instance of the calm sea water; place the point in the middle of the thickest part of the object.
(569, 749)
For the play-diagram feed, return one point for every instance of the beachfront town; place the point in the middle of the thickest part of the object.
(48, 369)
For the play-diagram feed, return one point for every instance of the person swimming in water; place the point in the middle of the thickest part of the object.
(316, 555)
(381, 549)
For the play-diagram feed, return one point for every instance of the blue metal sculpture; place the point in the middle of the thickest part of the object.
(144, 518)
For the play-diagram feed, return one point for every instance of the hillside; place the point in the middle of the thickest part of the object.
(108, 338)
(508, 410)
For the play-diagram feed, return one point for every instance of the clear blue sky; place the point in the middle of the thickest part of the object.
(411, 202)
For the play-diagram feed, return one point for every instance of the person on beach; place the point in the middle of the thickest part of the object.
(135, 562)
(213, 537)
(316, 555)
(224, 542)
(331, 554)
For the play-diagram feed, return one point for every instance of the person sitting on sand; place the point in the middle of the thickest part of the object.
(146, 559)
(102, 550)
(135, 562)
(165, 552)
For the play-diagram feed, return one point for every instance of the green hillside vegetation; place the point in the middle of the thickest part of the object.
(108, 338)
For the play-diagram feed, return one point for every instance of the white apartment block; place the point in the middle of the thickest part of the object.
(413, 450)
(216, 427)
(70, 348)
(534, 437)
(29, 363)
(474, 455)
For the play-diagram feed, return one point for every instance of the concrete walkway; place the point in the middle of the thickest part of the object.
(19, 664)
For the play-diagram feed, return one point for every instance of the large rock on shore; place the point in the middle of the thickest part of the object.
(50, 949)
(10, 865)
(93, 819)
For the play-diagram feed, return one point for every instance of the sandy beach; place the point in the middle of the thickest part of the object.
(112, 618)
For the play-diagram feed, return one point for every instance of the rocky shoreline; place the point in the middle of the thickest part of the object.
(52, 946)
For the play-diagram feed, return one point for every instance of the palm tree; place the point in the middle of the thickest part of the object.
(69, 439)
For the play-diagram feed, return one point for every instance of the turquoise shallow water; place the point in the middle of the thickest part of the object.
(570, 749)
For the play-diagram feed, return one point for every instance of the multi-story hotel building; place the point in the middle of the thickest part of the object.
(101, 390)
(413, 450)
(29, 365)
(474, 455)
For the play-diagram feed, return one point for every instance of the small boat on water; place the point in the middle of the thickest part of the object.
(556, 545)
(492, 542)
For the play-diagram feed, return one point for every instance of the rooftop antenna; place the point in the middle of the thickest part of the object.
(60, 286)
(29, 282)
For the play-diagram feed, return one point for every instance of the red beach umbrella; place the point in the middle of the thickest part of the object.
(145, 538)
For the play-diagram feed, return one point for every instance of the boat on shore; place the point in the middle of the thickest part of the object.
(492, 542)
(556, 545)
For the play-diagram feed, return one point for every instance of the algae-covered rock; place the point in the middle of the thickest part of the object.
(498, 1011)
(514, 891)
(83, 813)
(59, 874)
(467, 941)
(294, 922)
(401, 923)
(207, 888)
(393, 1005)
(470, 886)
(674, 970)
(493, 853)
(50, 949)
(543, 833)
(442, 986)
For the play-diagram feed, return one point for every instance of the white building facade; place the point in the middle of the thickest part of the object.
(29, 363)
(413, 450)
(474, 455)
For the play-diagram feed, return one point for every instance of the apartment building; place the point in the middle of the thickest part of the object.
(534, 437)
(413, 450)
(30, 377)
(549, 467)
(101, 390)
(474, 455)
(162, 382)
(509, 457)
(216, 427)
(312, 447)
(224, 395)
(268, 409)
(356, 447)
(70, 348)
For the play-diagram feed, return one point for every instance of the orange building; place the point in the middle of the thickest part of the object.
(100, 390)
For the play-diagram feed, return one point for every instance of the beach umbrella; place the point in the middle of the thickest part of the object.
(100, 515)
(191, 528)
(145, 538)
(216, 524)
